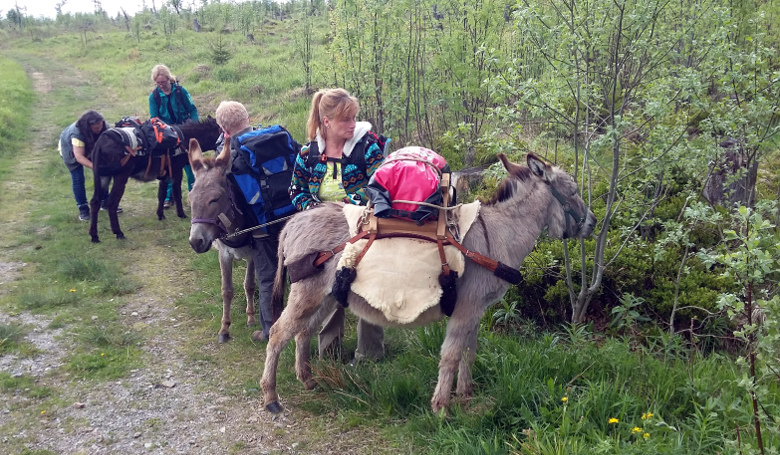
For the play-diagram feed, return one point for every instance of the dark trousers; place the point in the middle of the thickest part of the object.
(370, 337)
(265, 258)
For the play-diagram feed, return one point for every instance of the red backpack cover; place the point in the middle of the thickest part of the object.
(410, 174)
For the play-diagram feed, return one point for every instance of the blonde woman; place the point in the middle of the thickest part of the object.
(335, 165)
(173, 104)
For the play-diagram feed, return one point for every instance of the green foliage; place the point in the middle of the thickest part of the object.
(751, 256)
(626, 315)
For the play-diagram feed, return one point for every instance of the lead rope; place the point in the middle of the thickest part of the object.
(237, 233)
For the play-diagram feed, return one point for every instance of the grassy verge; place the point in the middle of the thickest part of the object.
(16, 96)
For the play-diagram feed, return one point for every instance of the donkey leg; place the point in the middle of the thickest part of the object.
(117, 191)
(303, 359)
(178, 167)
(457, 342)
(465, 385)
(302, 304)
(94, 211)
(249, 290)
(162, 191)
(226, 269)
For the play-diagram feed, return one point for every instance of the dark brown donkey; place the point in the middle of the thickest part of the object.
(531, 198)
(112, 160)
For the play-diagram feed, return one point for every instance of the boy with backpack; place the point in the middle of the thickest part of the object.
(262, 163)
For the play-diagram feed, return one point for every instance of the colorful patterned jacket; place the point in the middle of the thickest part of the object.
(361, 158)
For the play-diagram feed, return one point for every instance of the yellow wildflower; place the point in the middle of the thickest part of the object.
(565, 399)
(72, 290)
(647, 415)
(102, 354)
(613, 420)
(646, 435)
(636, 430)
(43, 412)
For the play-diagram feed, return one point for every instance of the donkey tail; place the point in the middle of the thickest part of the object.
(277, 295)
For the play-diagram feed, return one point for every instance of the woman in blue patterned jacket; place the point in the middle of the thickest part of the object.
(335, 165)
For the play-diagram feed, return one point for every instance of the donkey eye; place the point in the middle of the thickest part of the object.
(214, 201)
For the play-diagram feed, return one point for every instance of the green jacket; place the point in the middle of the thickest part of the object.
(181, 112)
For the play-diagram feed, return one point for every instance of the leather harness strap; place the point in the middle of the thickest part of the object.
(323, 256)
(372, 228)
(385, 228)
(441, 226)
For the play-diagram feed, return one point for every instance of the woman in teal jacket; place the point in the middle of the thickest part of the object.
(173, 104)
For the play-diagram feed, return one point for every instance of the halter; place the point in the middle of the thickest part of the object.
(567, 209)
(225, 220)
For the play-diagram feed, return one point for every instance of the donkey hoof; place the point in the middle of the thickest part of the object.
(310, 384)
(182, 215)
(224, 337)
(121, 236)
(274, 407)
(160, 217)
(95, 240)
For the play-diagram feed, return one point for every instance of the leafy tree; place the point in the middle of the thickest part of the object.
(751, 256)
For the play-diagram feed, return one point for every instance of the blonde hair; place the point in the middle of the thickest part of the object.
(334, 103)
(162, 70)
(232, 116)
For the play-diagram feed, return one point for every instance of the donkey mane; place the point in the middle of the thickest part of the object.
(506, 189)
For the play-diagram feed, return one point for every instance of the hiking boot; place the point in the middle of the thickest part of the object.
(167, 204)
(84, 214)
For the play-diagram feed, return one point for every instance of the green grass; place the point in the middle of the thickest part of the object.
(24, 385)
(11, 338)
(16, 97)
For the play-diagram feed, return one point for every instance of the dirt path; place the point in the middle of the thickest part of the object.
(174, 404)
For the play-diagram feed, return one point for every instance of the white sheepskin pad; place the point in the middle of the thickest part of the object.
(399, 276)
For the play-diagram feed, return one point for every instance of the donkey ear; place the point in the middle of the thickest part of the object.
(223, 160)
(539, 167)
(195, 155)
(511, 168)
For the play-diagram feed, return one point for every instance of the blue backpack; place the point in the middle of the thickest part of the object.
(263, 168)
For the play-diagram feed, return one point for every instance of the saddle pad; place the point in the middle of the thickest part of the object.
(400, 276)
